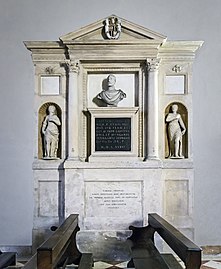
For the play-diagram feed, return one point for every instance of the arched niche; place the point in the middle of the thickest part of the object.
(182, 110)
(42, 113)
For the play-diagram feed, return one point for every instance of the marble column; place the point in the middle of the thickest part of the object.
(152, 109)
(73, 111)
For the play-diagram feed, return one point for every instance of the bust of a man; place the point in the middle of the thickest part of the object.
(111, 96)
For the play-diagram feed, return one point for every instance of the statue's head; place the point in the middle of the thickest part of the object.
(174, 108)
(52, 109)
(111, 80)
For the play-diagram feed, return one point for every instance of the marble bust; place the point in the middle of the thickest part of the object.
(176, 130)
(111, 96)
(51, 133)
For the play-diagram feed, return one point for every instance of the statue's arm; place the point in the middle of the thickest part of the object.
(170, 117)
(44, 125)
(182, 125)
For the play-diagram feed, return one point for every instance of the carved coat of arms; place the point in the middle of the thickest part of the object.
(112, 27)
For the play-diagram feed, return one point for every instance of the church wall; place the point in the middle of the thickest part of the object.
(20, 22)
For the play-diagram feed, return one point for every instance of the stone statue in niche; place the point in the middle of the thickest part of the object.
(111, 96)
(51, 133)
(176, 130)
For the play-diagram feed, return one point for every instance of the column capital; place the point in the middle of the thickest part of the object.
(73, 66)
(152, 64)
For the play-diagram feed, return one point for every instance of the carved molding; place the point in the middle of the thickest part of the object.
(88, 69)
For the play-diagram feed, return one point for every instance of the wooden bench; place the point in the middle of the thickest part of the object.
(61, 249)
(145, 255)
(7, 259)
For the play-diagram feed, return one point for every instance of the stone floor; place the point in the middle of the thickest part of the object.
(211, 261)
(208, 262)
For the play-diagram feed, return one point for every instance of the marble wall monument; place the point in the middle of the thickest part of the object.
(113, 132)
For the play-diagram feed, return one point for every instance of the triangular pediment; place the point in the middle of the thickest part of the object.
(129, 31)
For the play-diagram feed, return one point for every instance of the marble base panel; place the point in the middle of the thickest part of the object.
(109, 198)
(112, 199)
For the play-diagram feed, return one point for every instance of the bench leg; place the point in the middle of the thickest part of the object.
(130, 264)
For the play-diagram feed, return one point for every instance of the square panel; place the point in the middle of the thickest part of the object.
(50, 85)
(96, 83)
(117, 204)
(177, 198)
(48, 198)
(175, 84)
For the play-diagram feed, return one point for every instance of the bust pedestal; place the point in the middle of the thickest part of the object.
(114, 134)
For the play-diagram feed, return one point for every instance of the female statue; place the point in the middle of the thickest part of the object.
(176, 130)
(51, 133)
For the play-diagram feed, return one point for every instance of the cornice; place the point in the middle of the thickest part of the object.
(34, 45)
(180, 47)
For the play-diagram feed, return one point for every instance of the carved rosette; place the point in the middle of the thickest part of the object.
(177, 68)
(49, 70)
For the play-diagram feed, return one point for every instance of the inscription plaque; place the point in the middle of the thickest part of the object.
(114, 199)
(113, 205)
(113, 134)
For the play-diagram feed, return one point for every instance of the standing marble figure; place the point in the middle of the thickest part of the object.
(176, 130)
(51, 133)
(111, 96)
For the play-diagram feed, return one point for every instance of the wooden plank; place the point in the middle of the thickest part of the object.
(183, 247)
(149, 250)
(154, 262)
(31, 263)
(171, 261)
(147, 256)
(7, 259)
(86, 261)
(51, 251)
(44, 260)
(68, 237)
(69, 225)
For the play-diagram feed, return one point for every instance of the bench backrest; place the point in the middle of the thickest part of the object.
(60, 245)
(181, 245)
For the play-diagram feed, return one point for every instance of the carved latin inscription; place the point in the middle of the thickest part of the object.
(113, 199)
(113, 134)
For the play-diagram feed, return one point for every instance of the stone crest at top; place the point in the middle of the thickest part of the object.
(112, 27)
